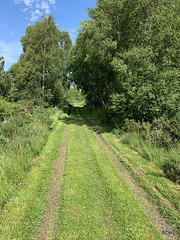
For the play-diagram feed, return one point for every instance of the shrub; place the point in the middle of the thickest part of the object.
(8, 109)
(168, 161)
(161, 132)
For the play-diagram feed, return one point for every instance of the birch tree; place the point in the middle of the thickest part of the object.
(40, 68)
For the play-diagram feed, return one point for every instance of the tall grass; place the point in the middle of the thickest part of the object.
(22, 139)
(8, 109)
(168, 161)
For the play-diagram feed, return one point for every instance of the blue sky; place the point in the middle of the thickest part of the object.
(16, 15)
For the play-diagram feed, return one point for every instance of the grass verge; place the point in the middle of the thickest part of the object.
(24, 138)
(161, 191)
(21, 216)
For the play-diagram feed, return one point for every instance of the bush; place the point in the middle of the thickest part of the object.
(8, 109)
(162, 132)
(171, 166)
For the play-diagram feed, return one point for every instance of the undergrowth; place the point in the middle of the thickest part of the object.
(22, 138)
(168, 161)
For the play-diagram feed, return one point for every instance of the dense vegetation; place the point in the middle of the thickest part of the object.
(125, 62)
(40, 75)
(126, 58)
(23, 133)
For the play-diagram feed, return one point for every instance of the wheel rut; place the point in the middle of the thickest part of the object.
(48, 227)
(139, 193)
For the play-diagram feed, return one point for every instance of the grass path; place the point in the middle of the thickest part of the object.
(80, 190)
(137, 190)
(97, 203)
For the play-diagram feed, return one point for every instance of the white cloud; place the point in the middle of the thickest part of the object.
(44, 5)
(36, 7)
(35, 15)
(10, 52)
(47, 11)
(52, 2)
(24, 9)
(28, 3)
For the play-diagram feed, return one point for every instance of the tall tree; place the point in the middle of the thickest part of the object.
(126, 57)
(40, 69)
(5, 80)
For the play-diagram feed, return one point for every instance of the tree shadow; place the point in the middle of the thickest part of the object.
(84, 116)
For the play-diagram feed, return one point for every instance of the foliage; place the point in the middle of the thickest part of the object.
(157, 142)
(161, 132)
(22, 138)
(5, 80)
(75, 97)
(168, 161)
(125, 58)
(40, 73)
(8, 109)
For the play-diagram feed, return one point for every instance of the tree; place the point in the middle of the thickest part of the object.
(41, 67)
(90, 63)
(5, 80)
(1, 73)
(125, 58)
(147, 67)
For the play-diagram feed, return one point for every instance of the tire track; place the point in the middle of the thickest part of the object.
(48, 227)
(139, 193)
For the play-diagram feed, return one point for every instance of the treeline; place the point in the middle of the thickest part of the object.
(40, 75)
(126, 58)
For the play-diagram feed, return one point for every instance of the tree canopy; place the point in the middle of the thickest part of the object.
(126, 57)
(40, 72)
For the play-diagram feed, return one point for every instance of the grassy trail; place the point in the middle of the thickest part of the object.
(78, 193)
(97, 203)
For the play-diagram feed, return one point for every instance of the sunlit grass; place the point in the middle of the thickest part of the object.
(97, 203)
(162, 191)
(20, 217)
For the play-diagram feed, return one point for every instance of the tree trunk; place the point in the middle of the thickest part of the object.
(44, 72)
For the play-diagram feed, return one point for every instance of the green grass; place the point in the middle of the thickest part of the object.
(24, 140)
(97, 203)
(168, 161)
(153, 142)
(22, 215)
(162, 192)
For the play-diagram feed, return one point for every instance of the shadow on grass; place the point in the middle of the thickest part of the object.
(92, 118)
